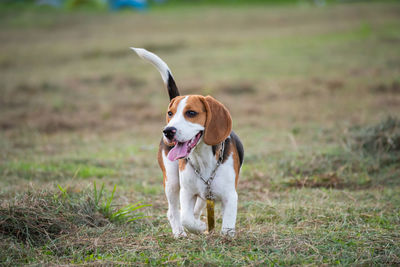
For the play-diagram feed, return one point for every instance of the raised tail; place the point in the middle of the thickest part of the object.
(162, 68)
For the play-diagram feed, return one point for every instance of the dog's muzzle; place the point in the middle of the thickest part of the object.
(169, 133)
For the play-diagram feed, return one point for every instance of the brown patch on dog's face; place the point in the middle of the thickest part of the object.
(195, 110)
(173, 107)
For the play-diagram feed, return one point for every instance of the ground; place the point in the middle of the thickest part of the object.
(304, 85)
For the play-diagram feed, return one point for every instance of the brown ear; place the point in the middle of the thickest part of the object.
(218, 123)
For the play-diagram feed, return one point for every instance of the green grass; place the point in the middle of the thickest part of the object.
(28, 169)
(310, 90)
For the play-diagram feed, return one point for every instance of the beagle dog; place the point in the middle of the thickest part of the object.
(200, 157)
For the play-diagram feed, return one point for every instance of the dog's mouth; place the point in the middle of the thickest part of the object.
(183, 149)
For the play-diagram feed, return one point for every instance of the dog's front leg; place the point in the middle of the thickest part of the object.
(172, 193)
(192, 224)
(199, 207)
(229, 211)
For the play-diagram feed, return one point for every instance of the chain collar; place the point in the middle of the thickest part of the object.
(209, 195)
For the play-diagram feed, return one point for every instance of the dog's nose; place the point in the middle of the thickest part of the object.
(169, 132)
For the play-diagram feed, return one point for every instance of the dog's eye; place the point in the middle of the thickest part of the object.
(169, 113)
(191, 113)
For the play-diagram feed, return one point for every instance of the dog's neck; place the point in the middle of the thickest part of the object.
(202, 158)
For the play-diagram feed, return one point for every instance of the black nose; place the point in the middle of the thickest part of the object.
(169, 132)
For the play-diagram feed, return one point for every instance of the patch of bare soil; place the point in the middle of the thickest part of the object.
(393, 88)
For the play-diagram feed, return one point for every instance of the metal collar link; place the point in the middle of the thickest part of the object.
(208, 181)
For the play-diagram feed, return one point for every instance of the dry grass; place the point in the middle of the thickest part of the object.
(383, 138)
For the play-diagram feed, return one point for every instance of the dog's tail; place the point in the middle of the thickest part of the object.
(162, 68)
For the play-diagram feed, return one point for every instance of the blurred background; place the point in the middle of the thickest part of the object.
(66, 66)
(313, 87)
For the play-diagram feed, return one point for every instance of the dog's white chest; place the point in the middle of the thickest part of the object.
(221, 184)
(198, 170)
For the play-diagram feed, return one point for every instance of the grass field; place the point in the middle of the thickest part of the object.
(310, 91)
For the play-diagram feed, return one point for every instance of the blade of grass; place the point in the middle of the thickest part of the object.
(107, 207)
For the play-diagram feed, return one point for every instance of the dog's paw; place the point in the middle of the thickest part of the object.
(228, 232)
(202, 226)
(195, 226)
(180, 234)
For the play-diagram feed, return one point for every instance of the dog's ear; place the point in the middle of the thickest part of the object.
(218, 122)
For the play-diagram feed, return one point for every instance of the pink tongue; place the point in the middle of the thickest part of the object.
(180, 150)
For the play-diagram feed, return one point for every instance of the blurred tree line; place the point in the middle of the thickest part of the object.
(145, 4)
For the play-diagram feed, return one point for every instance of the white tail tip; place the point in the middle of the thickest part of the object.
(156, 61)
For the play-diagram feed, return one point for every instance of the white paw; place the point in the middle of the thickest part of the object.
(179, 234)
(202, 226)
(228, 232)
(196, 226)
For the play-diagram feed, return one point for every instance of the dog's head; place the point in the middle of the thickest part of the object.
(192, 119)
